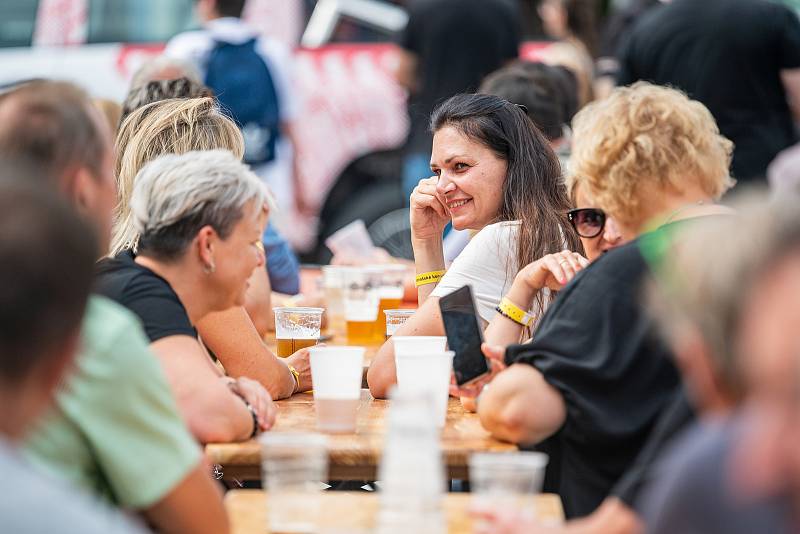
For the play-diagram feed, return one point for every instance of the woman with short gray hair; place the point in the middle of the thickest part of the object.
(200, 216)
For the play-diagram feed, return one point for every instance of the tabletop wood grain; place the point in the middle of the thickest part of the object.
(356, 456)
(352, 513)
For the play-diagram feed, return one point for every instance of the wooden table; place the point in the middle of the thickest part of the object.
(356, 456)
(357, 512)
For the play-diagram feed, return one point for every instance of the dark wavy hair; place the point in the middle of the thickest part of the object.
(533, 191)
(537, 90)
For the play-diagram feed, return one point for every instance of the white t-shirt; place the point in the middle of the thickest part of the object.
(489, 264)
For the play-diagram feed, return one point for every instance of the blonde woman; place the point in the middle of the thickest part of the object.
(178, 126)
(591, 385)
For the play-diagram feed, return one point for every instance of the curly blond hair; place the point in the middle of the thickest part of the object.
(644, 139)
(173, 126)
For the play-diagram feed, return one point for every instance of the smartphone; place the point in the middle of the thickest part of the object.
(464, 335)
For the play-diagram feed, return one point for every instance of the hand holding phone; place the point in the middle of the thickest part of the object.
(464, 335)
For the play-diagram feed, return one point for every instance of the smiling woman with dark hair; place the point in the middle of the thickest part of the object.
(495, 173)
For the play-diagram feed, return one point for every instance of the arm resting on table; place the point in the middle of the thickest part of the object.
(233, 339)
(521, 407)
(211, 410)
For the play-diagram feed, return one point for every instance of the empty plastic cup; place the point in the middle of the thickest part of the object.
(506, 478)
(427, 373)
(333, 287)
(294, 466)
(418, 344)
(336, 373)
(390, 292)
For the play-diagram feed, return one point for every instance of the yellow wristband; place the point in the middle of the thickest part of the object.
(429, 278)
(514, 312)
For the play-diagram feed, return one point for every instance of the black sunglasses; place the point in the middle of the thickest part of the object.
(588, 222)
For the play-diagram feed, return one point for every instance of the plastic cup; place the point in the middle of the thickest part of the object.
(337, 373)
(506, 478)
(294, 466)
(390, 294)
(333, 287)
(427, 373)
(395, 319)
(361, 301)
(419, 344)
(296, 328)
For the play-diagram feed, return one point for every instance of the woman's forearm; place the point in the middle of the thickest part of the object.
(233, 339)
(502, 330)
(428, 256)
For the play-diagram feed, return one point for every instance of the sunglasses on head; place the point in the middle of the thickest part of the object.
(588, 222)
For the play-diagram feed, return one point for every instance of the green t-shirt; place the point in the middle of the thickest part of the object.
(115, 429)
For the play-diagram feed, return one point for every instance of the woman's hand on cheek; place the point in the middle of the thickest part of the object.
(429, 215)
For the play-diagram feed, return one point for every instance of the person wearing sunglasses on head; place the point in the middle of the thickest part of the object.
(591, 385)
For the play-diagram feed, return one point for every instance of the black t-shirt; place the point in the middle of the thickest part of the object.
(619, 23)
(727, 54)
(456, 43)
(599, 348)
(144, 293)
(676, 417)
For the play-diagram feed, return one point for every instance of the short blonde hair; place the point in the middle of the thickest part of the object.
(643, 138)
(174, 126)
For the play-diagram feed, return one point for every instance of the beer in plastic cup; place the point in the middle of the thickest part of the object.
(296, 328)
(361, 301)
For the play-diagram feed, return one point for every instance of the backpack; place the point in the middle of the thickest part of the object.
(246, 92)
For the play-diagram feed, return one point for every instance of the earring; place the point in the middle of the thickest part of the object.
(209, 269)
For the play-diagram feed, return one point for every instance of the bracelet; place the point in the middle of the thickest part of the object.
(296, 376)
(430, 277)
(252, 413)
(509, 310)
